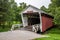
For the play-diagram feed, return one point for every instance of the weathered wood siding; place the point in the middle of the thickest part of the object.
(46, 23)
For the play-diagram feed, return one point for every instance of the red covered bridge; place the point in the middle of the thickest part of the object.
(35, 19)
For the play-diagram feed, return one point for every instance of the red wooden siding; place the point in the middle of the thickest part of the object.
(46, 23)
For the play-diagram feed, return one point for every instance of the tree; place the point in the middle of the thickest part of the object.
(9, 12)
(54, 8)
(44, 8)
(4, 4)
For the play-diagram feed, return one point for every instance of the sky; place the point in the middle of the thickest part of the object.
(36, 3)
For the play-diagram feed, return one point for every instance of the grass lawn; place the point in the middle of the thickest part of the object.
(54, 34)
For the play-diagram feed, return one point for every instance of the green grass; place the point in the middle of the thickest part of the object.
(47, 38)
(54, 34)
(52, 37)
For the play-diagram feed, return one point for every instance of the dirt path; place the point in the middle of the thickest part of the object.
(19, 35)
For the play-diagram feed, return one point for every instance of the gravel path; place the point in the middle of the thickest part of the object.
(19, 35)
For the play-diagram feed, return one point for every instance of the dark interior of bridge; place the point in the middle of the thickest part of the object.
(33, 18)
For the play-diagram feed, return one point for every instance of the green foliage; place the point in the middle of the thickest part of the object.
(9, 12)
(4, 4)
(44, 9)
(56, 2)
(4, 30)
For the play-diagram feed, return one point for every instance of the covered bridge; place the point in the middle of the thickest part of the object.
(35, 19)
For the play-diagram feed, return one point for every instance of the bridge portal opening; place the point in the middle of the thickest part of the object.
(32, 18)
